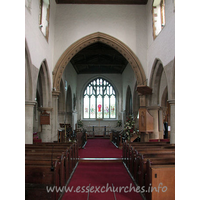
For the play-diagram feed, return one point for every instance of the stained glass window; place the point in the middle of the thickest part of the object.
(99, 100)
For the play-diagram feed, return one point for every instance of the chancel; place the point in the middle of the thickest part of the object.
(99, 98)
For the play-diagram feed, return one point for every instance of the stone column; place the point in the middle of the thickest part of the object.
(74, 119)
(46, 129)
(161, 123)
(123, 118)
(29, 114)
(172, 121)
(55, 123)
(153, 110)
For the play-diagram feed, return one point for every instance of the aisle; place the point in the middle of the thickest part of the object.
(100, 148)
(101, 177)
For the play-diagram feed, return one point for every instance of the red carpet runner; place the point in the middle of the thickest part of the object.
(100, 148)
(102, 178)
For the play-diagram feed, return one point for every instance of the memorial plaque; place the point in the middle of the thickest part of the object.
(44, 118)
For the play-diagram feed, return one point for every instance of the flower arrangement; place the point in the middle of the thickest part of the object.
(80, 123)
(129, 127)
(119, 123)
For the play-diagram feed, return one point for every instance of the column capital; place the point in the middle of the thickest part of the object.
(172, 101)
(154, 107)
(30, 103)
(55, 93)
(45, 108)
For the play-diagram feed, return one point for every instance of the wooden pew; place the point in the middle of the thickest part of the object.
(157, 161)
(116, 137)
(37, 177)
(44, 160)
(43, 155)
(157, 174)
(127, 145)
(41, 150)
(160, 156)
(72, 147)
(136, 159)
(130, 152)
(81, 138)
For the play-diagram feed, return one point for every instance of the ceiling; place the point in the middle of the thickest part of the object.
(99, 58)
(101, 1)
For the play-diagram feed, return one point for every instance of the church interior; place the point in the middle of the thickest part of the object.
(100, 99)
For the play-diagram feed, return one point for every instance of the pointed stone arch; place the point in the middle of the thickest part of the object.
(69, 106)
(129, 102)
(28, 75)
(155, 80)
(93, 38)
(44, 85)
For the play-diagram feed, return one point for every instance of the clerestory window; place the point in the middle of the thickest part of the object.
(158, 16)
(44, 17)
(99, 100)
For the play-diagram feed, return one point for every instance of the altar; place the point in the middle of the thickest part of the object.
(98, 130)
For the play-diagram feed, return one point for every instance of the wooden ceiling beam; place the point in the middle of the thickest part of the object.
(139, 2)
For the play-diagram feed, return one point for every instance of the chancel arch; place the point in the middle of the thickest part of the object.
(91, 39)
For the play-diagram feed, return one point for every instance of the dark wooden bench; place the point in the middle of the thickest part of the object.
(71, 147)
(42, 151)
(131, 152)
(128, 145)
(42, 157)
(44, 160)
(38, 177)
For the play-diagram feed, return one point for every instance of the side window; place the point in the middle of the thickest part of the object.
(158, 16)
(44, 17)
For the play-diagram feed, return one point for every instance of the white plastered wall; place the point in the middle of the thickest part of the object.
(40, 49)
(127, 23)
(163, 47)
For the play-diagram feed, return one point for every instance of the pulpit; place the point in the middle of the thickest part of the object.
(145, 124)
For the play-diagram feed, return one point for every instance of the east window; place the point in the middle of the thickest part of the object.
(99, 100)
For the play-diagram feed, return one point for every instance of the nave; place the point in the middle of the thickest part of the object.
(101, 171)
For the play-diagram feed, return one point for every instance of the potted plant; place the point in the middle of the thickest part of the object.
(80, 124)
